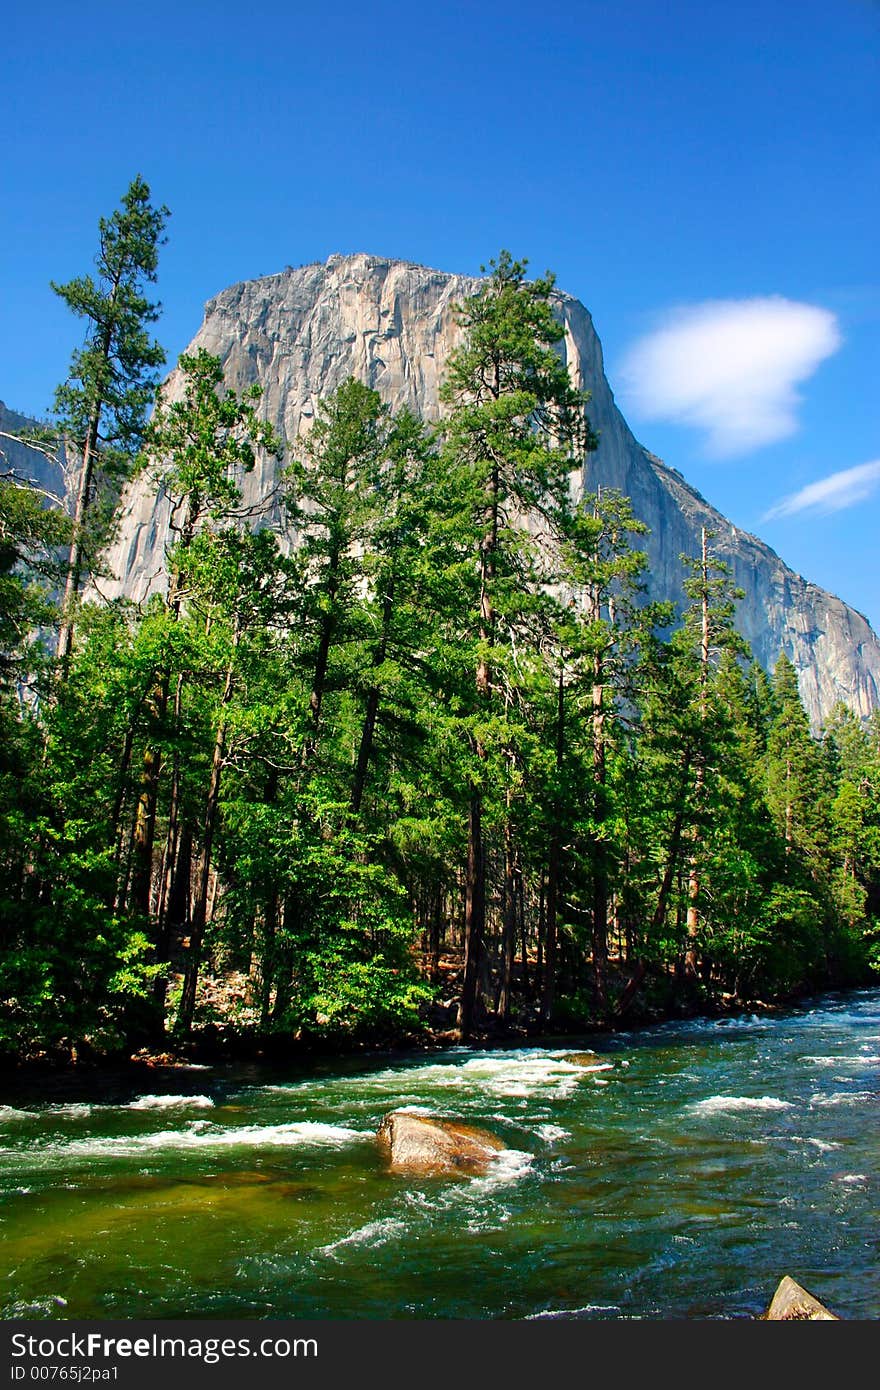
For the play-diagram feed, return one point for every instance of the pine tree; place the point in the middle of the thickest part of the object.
(707, 632)
(102, 406)
(797, 785)
(597, 642)
(515, 430)
(333, 503)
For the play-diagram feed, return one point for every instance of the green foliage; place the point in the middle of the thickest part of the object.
(30, 539)
(71, 968)
(785, 952)
(115, 372)
(199, 447)
(340, 954)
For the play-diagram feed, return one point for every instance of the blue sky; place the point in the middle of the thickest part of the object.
(704, 177)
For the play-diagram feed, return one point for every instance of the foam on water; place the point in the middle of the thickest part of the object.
(478, 1199)
(551, 1133)
(526, 1076)
(46, 1307)
(199, 1134)
(170, 1103)
(373, 1233)
(715, 1027)
(8, 1113)
(823, 1145)
(75, 1110)
(557, 1314)
(720, 1104)
(507, 1167)
(840, 1098)
(519, 1073)
(83, 1110)
(863, 1059)
(475, 1197)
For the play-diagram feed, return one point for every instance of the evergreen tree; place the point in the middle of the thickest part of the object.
(599, 635)
(102, 406)
(706, 633)
(333, 503)
(797, 784)
(516, 428)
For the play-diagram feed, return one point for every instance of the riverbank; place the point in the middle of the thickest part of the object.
(170, 1062)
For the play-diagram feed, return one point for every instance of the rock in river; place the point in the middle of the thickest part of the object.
(427, 1144)
(792, 1303)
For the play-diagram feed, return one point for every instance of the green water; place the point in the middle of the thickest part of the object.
(679, 1173)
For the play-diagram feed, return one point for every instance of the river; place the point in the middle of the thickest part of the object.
(673, 1172)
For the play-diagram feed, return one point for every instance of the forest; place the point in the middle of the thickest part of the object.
(423, 760)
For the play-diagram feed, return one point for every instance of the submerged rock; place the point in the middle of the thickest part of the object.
(791, 1303)
(426, 1144)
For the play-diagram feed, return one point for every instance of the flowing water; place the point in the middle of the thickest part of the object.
(674, 1172)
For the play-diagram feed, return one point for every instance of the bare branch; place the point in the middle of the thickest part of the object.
(10, 475)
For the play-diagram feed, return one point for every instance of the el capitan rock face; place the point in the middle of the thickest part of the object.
(392, 324)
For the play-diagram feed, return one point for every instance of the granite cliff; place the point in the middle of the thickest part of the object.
(25, 463)
(302, 332)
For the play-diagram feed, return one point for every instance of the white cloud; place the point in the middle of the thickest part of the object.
(730, 367)
(830, 494)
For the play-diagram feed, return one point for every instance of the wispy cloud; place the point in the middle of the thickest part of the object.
(730, 367)
(830, 494)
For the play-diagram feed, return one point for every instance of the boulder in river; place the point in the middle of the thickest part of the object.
(427, 1144)
(791, 1303)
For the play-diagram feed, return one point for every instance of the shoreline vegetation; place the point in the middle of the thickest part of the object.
(422, 762)
(216, 1049)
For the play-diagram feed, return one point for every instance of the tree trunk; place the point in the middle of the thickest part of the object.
(524, 937)
(145, 824)
(434, 936)
(600, 857)
(169, 856)
(268, 949)
(145, 815)
(119, 801)
(199, 915)
(268, 958)
(508, 940)
(73, 577)
(474, 917)
(475, 880)
(175, 911)
(692, 925)
(372, 707)
(554, 856)
(671, 863)
(325, 641)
